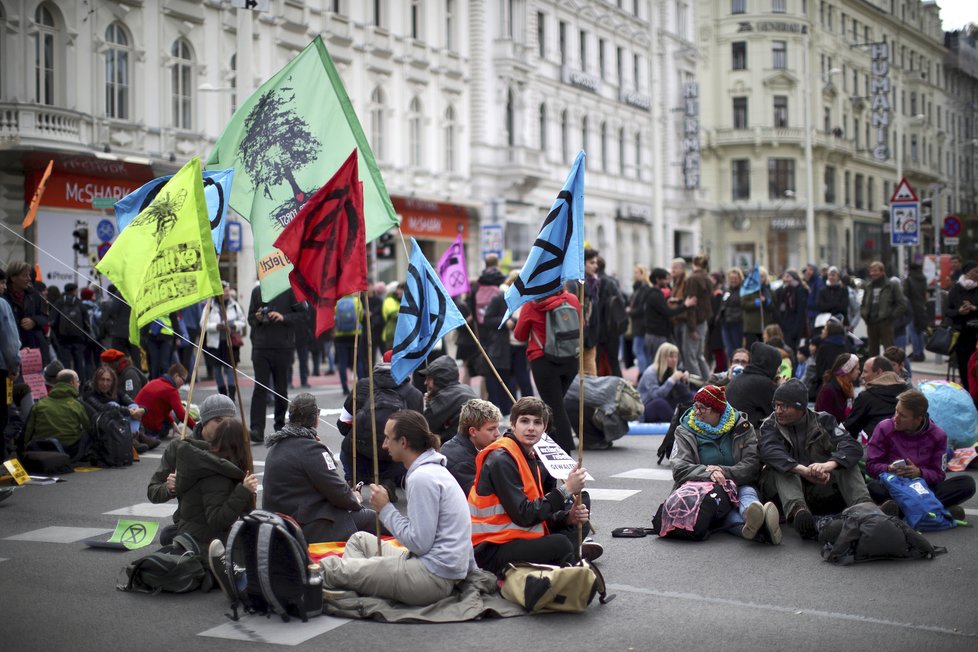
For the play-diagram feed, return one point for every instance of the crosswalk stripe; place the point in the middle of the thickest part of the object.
(259, 629)
(646, 474)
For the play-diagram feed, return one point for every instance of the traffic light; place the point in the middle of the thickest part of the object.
(385, 247)
(80, 234)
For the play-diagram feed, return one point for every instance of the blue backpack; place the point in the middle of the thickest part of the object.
(346, 315)
(921, 509)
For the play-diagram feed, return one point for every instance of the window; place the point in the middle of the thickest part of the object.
(543, 128)
(619, 65)
(738, 6)
(682, 19)
(181, 84)
(780, 111)
(740, 113)
(377, 107)
(510, 119)
(779, 6)
(859, 191)
(451, 130)
(845, 190)
(415, 135)
(116, 72)
(779, 53)
(604, 147)
(541, 35)
(913, 148)
(638, 155)
(829, 180)
(44, 52)
(913, 103)
(855, 132)
(583, 47)
(564, 136)
(378, 17)
(621, 151)
(602, 66)
(585, 133)
(233, 81)
(780, 177)
(450, 25)
(827, 119)
(738, 54)
(740, 178)
(637, 72)
(563, 42)
(416, 19)
(870, 189)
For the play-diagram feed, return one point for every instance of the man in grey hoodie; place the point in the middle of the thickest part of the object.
(437, 531)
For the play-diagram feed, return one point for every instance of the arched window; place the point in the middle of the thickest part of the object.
(377, 123)
(451, 128)
(44, 55)
(543, 128)
(415, 132)
(117, 72)
(564, 137)
(510, 119)
(181, 84)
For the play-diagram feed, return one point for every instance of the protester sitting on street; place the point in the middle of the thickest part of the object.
(898, 358)
(911, 445)
(131, 378)
(59, 416)
(51, 371)
(301, 479)
(716, 443)
(213, 485)
(444, 396)
(161, 398)
(836, 394)
(812, 462)
(663, 386)
(478, 426)
(436, 531)
(753, 390)
(215, 410)
(389, 397)
(878, 400)
(102, 394)
(519, 514)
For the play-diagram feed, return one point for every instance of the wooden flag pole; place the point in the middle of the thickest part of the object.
(580, 410)
(492, 367)
(373, 413)
(193, 374)
(245, 435)
(353, 373)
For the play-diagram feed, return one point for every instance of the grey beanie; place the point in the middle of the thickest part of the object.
(793, 393)
(51, 372)
(303, 410)
(215, 406)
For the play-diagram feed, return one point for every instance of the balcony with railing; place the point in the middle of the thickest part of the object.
(35, 124)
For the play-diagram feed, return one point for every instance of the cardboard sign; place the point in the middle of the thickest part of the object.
(32, 369)
(558, 463)
(128, 535)
(17, 471)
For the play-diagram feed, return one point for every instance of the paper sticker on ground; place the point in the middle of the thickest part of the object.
(258, 629)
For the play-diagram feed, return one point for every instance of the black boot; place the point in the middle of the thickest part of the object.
(231, 391)
(221, 389)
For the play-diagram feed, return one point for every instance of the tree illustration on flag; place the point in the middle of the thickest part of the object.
(557, 255)
(326, 244)
(427, 315)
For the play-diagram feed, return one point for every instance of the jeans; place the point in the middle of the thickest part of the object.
(641, 356)
(917, 339)
(733, 337)
(652, 344)
(302, 353)
(746, 494)
(159, 350)
(692, 350)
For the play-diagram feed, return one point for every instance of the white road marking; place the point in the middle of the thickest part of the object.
(59, 534)
(611, 494)
(259, 629)
(971, 512)
(646, 474)
(833, 615)
(151, 510)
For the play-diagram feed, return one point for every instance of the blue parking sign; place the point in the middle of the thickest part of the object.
(105, 230)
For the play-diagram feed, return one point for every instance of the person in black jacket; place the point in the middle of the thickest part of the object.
(28, 308)
(301, 479)
(273, 342)
(832, 344)
(753, 390)
(478, 426)
(445, 396)
(833, 298)
(878, 401)
(962, 310)
(659, 314)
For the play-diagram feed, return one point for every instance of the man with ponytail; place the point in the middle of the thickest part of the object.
(436, 531)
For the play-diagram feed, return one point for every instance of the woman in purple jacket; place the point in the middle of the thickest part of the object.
(911, 445)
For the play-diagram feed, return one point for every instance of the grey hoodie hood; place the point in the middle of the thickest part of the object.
(444, 371)
(430, 456)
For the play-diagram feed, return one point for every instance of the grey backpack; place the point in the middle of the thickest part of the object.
(563, 333)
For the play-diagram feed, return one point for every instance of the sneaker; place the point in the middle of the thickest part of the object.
(591, 550)
(957, 512)
(139, 446)
(215, 559)
(890, 508)
(804, 524)
(753, 521)
(772, 523)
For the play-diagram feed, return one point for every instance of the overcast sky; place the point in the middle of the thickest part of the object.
(955, 14)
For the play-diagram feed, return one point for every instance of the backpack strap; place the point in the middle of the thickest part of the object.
(229, 559)
(264, 576)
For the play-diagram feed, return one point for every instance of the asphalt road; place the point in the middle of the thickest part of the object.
(723, 594)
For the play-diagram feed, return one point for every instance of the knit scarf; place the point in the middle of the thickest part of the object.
(290, 430)
(726, 423)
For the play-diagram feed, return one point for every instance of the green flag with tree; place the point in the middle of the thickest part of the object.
(164, 259)
(284, 142)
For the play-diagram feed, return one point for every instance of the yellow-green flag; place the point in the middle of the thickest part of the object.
(164, 260)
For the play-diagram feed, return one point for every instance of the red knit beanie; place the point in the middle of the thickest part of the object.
(712, 397)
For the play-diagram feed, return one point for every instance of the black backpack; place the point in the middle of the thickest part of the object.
(277, 578)
(72, 320)
(112, 441)
(176, 568)
(864, 533)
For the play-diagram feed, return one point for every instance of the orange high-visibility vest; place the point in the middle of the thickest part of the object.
(490, 522)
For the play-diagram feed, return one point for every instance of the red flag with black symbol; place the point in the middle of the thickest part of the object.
(327, 245)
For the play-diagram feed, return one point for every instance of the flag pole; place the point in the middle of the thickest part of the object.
(373, 413)
(245, 436)
(193, 374)
(492, 367)
(580, 409)
(353, 372)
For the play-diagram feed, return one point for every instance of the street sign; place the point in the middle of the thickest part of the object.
(492, 239)
(904, 224)
(952, 242)
(103, 202)
(952, 227)
(903, 193)
(232, 239)
(103, 249)
(105, 230)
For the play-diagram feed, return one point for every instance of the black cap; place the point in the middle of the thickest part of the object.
(793, 393)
